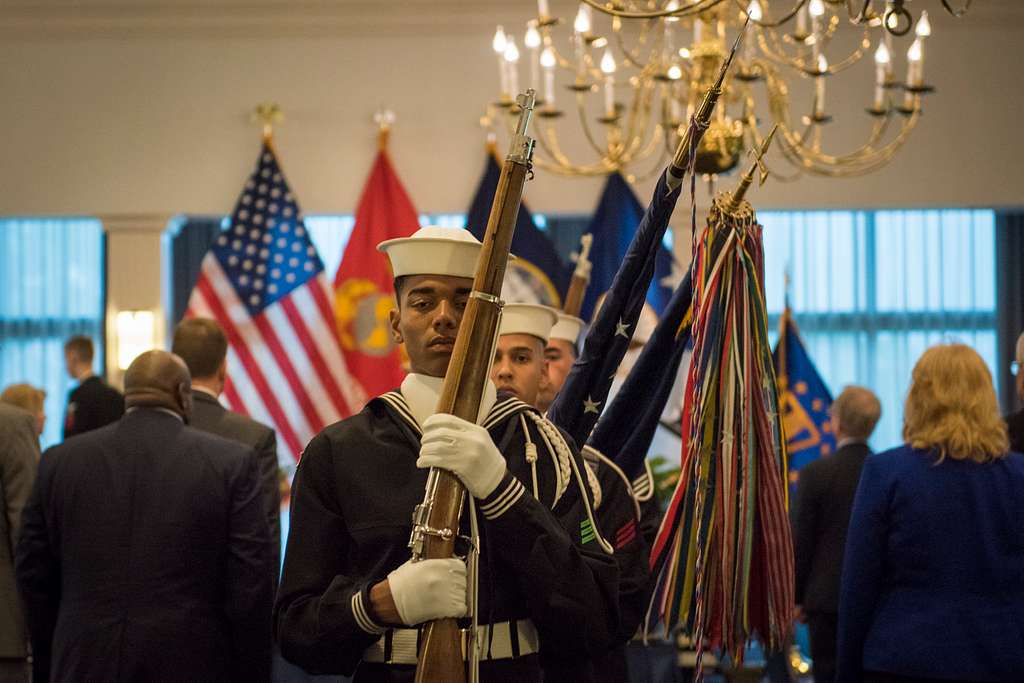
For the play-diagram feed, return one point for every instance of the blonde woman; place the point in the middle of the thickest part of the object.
(933, 578)
(27, 397)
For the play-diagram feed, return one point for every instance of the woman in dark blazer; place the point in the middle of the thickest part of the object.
(933, 578)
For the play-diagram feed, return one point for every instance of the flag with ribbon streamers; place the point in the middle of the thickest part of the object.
(264, 283)
(723, 556)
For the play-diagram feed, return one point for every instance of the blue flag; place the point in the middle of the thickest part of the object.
(626, 428)
(581, 400)
(804, 401)
(538, 274)
(615, 222)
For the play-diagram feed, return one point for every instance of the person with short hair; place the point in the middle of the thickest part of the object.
(93, 403)
(143, 553)
(1015, 422)
(932, 585)
(520, 366)
(352, 597)
(201, 343)
(19, 458)
(30, 399)
(561, 352)
(824, 497)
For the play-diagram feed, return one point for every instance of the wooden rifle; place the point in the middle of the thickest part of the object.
(443, 655)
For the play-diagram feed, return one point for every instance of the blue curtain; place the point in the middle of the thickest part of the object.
(871, 290)
(51, 287)
(188, 240)
(1010, 295)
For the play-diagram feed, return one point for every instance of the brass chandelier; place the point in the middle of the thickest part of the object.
(630, 72)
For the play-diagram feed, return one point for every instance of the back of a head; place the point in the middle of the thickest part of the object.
(158, 379)
(951, 407)
(1020, 352)
(857, 410)
(201, 343)
(24, 396)
(80, 347)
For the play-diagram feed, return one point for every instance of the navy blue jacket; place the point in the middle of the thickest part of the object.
(933, 578)
(144, 556)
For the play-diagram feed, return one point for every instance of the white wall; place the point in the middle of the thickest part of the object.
(140, 110)
(142, 107)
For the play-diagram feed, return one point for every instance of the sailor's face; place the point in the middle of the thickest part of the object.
(560, 355)
(429, 312)
(519, 366)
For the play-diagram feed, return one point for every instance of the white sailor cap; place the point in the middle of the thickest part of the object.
(433, 251)
(568, 328)
(532, 319)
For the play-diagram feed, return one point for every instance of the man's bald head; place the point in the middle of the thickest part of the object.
(158, 379)
(855, 413)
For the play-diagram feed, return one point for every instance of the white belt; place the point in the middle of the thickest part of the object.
(496, 641)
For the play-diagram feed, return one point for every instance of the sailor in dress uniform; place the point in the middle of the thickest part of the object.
(350, 599)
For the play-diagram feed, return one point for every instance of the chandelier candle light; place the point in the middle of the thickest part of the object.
(635, 69)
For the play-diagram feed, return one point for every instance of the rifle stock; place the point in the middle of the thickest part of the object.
(443, 655)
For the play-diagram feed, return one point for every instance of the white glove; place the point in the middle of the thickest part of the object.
(429, 589)
(464, 448)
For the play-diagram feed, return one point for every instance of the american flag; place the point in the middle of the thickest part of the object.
(264, 283)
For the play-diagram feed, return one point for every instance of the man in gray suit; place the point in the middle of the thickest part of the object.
(201, 343)
(19, 458)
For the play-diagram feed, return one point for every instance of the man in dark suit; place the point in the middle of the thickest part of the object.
(201, 343)
(93, 403)
(19, 457)
(1015, 422)
(143, 553)
(824, 499)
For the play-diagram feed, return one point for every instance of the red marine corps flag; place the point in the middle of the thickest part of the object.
(263, 281)
(363, 287)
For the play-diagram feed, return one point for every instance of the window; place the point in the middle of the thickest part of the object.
(51, 287)
(871, 290)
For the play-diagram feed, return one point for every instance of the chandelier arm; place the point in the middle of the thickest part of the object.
(860, 161)
(775, 53)
(631, 58)
(774, 23)
(585, 125)
(640, 117)
(562, 165)
(778, 105)
(565, 63)
(692, 10)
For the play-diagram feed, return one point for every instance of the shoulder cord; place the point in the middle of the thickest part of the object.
(557, 449)
(643, 486)
(531, 456)
(549, 432)
(608, 462)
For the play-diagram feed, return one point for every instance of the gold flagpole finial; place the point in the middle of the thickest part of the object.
(384, 118)
(267, 114)
(757, 166)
